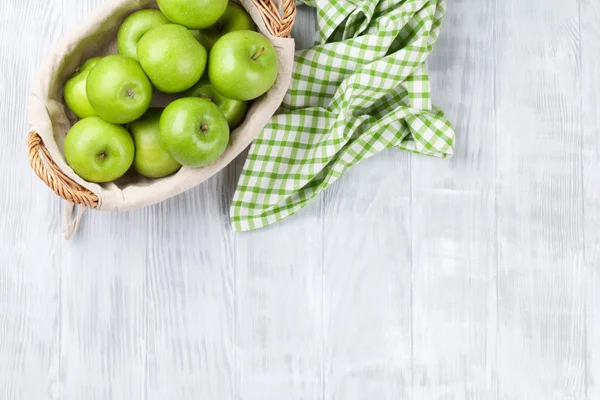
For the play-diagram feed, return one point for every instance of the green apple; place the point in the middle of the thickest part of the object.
(75, 91)
(134, 27)
(193, 14)
(151, 159)
(233, 110)
(243, 65)
(194, 131)
(235, 18)
(172, 58)
(99, 151)
(118, 89)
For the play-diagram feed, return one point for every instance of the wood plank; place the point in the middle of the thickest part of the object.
(30, 242)
(190, 287)
(541, 272)
(367, 282)
(103, 324)
(155, 321)
(278, 311)
(590, 60)
(278, 292)
(453, 224)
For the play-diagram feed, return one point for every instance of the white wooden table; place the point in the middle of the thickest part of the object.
(411, 278)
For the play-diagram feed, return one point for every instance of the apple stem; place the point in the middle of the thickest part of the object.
(204, 127)
(206, 98)
(77, 70)
(260, 52)
(102, 155)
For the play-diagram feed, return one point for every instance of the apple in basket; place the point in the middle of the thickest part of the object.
(135, 27)
(75, 91)
(118, 89)
(235, 18)
(99, 151)
(242, 65)
(194, 131)
(193, 14)
(172, 58)
(233, 110)
(151, 159)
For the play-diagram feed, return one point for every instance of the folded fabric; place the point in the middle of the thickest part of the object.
(365, 88)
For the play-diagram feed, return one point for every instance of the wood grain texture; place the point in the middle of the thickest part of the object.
(367, 282)
(410, 278)
(190, 297)
(590, 83)
(278, 312)
(541, 272)
(453, 220)
(30, 244)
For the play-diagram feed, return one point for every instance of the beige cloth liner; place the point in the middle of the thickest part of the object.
(49, 116)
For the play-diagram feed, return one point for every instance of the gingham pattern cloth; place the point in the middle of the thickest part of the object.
(362, 90)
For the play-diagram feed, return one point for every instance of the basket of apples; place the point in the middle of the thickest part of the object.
(148, 99)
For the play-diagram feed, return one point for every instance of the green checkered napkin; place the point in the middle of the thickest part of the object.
(364, 89)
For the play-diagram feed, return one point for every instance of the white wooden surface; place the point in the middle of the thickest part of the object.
(411, 278)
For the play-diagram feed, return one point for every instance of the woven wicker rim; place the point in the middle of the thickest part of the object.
(278, 23)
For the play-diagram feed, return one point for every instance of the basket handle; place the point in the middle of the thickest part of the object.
(47, 170)
(280, 25)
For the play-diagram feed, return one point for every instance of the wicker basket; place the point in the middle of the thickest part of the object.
(278, 21)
